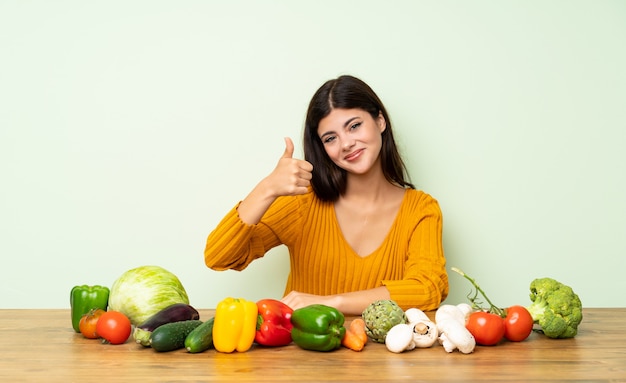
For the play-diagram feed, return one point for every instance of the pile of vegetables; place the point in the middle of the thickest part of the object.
(555, 309)
(490, 325)
(402, 331)
(150, 305)
(138, 294)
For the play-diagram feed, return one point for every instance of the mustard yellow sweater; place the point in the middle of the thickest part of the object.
(410, 262)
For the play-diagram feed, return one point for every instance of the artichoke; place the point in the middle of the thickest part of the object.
(380, 317)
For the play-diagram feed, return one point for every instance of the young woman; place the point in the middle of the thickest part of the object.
(357, 231)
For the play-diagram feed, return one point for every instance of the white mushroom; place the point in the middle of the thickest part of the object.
(420, 331)
(415, 315)
(400, 338)
(425, 333)
(466, 309)
(452, 332)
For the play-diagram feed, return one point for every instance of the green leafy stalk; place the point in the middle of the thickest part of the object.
(474, 299)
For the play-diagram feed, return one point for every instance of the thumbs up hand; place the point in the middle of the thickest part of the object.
(291, 176)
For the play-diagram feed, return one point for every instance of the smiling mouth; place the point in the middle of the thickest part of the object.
(353, 155)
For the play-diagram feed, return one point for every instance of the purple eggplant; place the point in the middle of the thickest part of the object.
(177, 312)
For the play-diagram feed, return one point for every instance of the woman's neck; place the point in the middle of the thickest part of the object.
(368, 188)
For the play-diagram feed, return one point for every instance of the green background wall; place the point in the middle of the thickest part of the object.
(129, 128)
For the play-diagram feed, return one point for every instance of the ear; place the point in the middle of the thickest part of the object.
(380, 121)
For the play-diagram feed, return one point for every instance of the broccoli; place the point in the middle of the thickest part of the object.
(556, 308)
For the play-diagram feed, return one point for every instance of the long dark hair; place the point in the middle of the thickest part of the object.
(347, 92)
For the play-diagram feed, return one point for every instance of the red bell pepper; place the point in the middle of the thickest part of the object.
(273, 323)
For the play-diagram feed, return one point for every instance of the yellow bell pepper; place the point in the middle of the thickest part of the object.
(234, 325)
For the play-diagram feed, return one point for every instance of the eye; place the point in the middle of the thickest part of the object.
(355, 126)
(328, 139)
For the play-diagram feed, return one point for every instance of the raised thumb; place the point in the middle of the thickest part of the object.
(288, 148)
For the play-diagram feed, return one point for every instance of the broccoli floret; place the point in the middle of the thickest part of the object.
(556, 308)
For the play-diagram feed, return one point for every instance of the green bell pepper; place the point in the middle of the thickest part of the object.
(318, 327)
(84, 298)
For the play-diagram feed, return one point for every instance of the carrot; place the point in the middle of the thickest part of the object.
(356, 337)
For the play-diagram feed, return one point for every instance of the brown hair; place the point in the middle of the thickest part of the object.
(346, 92)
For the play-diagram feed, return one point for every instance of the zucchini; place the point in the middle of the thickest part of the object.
(175, 313)
(171, 336)
(201, 338)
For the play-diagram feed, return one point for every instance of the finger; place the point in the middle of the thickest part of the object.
(306, 176)
(288, 299)
(306, 166)
(288, 148)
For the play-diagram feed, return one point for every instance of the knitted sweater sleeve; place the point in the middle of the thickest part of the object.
(425, 281)
(233, 244)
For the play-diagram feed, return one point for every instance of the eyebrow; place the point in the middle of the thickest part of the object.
(345, 124)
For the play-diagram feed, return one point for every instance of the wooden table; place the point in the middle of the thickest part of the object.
(40, 345)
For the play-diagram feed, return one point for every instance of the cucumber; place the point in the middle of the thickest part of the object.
(174, 313)
(171, 336)
(201, 338)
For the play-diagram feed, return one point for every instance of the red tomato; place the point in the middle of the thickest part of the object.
(487, 328)
(114, 327)
(518, 324)
(87, 324)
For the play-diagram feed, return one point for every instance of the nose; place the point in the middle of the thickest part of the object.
(348, 143)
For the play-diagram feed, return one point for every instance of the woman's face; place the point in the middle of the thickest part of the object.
(352, 138)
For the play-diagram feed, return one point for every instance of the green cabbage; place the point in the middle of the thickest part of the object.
(142, 292)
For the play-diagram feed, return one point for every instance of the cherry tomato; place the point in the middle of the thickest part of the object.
(487, 328)
(518, 323)
(114, 327)
(87, 324)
